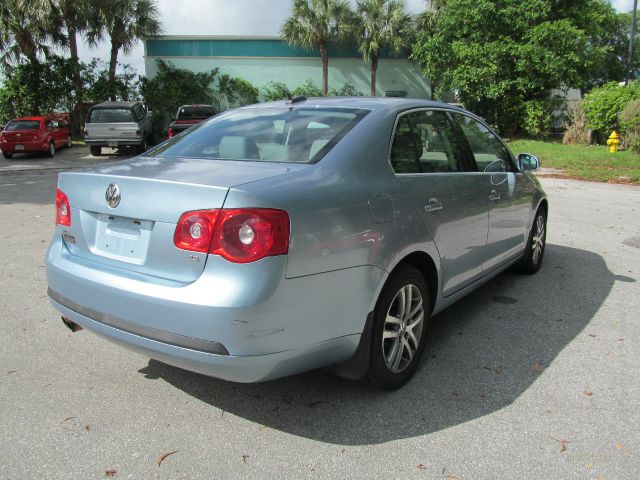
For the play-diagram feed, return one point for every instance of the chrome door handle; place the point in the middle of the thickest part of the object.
(433, 206)
(494, 196)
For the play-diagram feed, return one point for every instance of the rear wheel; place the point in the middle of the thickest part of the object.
(399, 329)
(95, 150)
(7, 155)
(143, 146)
(534, 252)
(52, 149)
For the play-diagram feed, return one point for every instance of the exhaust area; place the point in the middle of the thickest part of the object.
(74, 327)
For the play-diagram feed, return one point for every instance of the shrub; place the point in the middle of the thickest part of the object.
(537, 118)
(276, 91)
(630, 124)
(576, 132)
(603, 104)
(308, 89)
(347, 90)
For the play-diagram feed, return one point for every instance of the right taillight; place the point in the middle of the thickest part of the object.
(239, 235)
(63, 209)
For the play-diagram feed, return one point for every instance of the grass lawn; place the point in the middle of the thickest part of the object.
(583, 162)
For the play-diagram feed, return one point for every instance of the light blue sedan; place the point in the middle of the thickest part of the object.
(288, 236)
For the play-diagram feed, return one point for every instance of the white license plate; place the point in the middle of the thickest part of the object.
(113, 144)
(19, 147)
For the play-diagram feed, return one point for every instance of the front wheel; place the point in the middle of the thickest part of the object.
(534, 252)
(399, 329)
(52, 149)
(69, 142)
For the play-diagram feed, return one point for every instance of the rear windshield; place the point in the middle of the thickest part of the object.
(186, 113)
(22, 125)
(271, 134)
(111, 115)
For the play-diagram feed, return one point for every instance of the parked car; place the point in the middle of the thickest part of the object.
(117, 124)
(34, 134)
(283, 237)
(188, 116)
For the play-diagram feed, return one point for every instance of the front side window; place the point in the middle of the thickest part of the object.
(297, 135)
(425, 142)
(111, 115)
(489, 152)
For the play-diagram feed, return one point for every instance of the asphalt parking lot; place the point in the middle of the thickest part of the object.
(528, 377)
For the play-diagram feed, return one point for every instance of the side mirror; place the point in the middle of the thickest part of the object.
(528, 162)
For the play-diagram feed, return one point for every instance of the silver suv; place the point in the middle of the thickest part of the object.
(117, 124)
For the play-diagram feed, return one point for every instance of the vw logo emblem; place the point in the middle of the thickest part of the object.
(112, 195)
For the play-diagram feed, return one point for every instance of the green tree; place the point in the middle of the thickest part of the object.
(124, 22)
(603, 104)
(383, 24)
(316, 24)
(499, 55)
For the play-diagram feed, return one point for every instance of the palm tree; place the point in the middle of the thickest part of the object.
(383, 24)
(315, 24)
(23, 32)
(124, 22)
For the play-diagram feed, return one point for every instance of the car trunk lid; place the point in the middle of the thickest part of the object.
(136, 232)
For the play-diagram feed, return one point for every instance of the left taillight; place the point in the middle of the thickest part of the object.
(63, 209)
(240, 235)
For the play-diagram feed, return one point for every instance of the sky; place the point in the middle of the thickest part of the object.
(224, 17)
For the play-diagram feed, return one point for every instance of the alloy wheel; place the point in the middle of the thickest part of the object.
(403, 328)
(538, 240)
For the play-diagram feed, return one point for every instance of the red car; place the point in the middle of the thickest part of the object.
(34, 134)
(188, 116)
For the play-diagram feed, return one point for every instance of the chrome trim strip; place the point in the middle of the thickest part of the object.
(174, 339)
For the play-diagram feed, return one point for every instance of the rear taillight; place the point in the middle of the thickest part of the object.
(63, 209)
(195, 230)
(239, 235)
(170, 132)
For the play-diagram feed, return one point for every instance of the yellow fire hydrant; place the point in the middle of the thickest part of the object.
(613, 141)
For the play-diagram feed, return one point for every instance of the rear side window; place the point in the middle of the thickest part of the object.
(111, 115)
(22, 125)
(272, 134)
(426, 142)
(489, 152)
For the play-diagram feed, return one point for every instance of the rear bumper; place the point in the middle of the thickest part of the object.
(243, 369)
(36, 146)
(113, 142)
(270, 326)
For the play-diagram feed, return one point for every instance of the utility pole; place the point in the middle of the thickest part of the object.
(631, 42)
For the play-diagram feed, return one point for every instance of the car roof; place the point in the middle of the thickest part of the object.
(369, 103)
(115, 105)
(30, 118)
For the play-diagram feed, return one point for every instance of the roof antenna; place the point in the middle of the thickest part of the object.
(294, 100)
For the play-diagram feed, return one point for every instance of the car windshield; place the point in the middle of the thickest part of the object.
(187, 113)
(22, 125)
(111, 115)
(271, 134)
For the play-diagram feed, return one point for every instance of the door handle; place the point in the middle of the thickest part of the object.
(433, 206)
(494, 196)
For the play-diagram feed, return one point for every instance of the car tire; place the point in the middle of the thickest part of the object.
(7, 155)
(95, 150)
(143, 147)
(399, 332)
(532, 259)
(69, 142)
(51, 152)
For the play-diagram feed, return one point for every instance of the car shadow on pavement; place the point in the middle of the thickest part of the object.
(481, 355)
